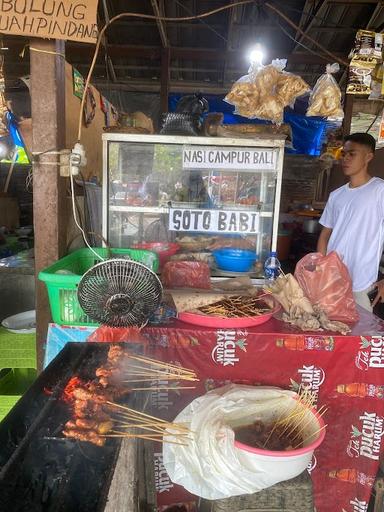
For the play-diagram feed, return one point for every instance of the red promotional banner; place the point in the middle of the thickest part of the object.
(344, 373)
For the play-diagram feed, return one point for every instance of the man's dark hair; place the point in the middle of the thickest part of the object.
(362, 138)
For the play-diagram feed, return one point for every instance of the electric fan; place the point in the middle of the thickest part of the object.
(119, 293)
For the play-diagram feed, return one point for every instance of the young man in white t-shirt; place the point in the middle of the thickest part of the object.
(353, 220)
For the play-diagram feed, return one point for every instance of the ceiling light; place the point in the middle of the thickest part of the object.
(256, 55)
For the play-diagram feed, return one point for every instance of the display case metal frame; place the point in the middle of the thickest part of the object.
(277, 143)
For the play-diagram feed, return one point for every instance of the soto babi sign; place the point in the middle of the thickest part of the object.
(56, 19)
(214, 221)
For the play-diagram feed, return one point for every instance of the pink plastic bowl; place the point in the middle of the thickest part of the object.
(282, 465)
(289, 453)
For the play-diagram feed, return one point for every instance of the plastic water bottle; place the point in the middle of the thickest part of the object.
(271, 268)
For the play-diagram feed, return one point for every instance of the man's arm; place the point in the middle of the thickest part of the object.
(322, 243)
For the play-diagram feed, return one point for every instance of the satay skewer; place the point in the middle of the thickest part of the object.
(157, 421)
(149, 438)
(158, 388)
(170, 425)
(134, 412)
(160, 363)
(167, 377)
(309, 437)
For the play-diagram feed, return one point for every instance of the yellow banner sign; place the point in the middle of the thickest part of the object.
(54, 19)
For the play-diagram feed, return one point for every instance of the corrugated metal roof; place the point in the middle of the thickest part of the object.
(210, 53)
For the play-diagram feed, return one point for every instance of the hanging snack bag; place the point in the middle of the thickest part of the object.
(289, 87)
(377, 83)
(368, 44)
(360, 75)
(250, 91)
(265, 91)
(325, 99)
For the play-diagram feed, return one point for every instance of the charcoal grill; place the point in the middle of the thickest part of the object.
(41, 471)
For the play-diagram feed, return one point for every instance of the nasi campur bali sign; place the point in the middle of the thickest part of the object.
(237, 159)
(57, 19)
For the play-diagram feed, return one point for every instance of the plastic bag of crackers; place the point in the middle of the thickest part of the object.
(325, 99)
(265, 91)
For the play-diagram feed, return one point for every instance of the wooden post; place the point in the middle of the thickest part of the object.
(165, 75)
(348, 112)
(48, 135)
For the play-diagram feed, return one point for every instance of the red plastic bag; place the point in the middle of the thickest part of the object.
(326, 282)
(186, 274)
(115, 334)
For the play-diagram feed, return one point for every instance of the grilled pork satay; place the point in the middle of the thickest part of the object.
(107, 374)
(70, 424)
(101, 427)
(115, 353)
(86, 408)
(85, 435)
(99, 395)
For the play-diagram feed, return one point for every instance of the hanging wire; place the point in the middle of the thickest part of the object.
(275, 21)
(203, 22)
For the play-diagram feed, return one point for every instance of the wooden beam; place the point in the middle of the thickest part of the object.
(235, 14)
(356, 2)
(76, 50)
(313, 21)
(48, 135)
(304, 16)
(165, 78)
(105, 43)
(159, 11)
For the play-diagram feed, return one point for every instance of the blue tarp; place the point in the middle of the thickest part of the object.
(308, 133)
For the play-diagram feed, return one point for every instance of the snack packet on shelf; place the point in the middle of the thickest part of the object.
(367, 44)
(377, 83)
(325, 99)
(360, 75)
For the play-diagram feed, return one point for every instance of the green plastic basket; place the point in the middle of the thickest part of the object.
(63, 277)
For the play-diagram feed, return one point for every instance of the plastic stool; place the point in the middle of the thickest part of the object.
(293, 495)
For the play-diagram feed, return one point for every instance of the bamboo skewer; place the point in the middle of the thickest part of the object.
(149, 438)
(132, 411)
(167, 377)
(167, 425)
(149, 370)
(174, 388)
(140, 421)
(295, 421)
(309, 437)
(301, 430)
(154, 362)
(141, 415)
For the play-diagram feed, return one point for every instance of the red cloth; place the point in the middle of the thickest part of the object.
(277, 354)
(117, 334)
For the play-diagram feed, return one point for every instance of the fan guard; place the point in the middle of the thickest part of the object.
(119, 293)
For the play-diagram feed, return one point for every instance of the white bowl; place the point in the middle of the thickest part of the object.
(24, 231)
(22, 323)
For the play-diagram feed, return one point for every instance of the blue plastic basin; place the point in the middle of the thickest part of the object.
(234, 260)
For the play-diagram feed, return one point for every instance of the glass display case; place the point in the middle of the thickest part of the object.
(203, 193)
